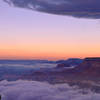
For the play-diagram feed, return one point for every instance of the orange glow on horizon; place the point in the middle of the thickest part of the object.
(51, 52)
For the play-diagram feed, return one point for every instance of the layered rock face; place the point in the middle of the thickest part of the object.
(69, 62)
(88, 70)
(90, 67)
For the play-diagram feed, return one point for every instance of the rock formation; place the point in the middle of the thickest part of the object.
(89, 69)
(69, 62)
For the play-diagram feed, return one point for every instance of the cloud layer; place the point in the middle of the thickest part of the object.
(32, 90)
(76, 8)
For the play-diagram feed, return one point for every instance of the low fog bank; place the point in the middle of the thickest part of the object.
(33, 90)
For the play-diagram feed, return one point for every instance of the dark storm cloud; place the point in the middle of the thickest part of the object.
(76, 8)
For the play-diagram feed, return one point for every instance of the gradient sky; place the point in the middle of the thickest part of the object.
(26, 34)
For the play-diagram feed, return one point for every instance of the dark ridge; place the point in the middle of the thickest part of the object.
(97, 59)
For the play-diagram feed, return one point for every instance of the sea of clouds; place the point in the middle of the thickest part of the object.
(33, 90)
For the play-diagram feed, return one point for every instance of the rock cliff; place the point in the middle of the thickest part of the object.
(89, 69)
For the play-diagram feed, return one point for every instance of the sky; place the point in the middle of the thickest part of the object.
(27, 34)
